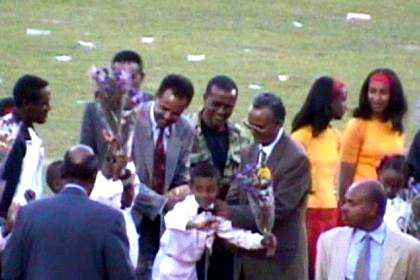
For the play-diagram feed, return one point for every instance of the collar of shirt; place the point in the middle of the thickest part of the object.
(155, 128)
(378, 235)
(76, 187)
(269, 148)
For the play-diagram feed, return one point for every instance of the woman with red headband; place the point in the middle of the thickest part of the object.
(375, 130)
(311, 128)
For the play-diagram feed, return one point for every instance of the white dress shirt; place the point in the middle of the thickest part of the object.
(32, 165)
(109, 192)
(156, 129)
(267, 149)
(376, 251)
(397, 214)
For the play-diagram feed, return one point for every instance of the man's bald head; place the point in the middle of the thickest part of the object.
(373, 191)
(365, 204)
(80, 163)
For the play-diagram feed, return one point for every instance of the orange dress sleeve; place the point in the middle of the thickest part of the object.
(352, 140)
(303, 136)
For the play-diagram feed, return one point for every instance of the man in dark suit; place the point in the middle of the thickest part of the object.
(291, 183)
(69, 236)
(161, 147)
(91, 132)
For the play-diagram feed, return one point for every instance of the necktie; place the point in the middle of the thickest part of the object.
(159, 162)
(363, 261)
(262, 157)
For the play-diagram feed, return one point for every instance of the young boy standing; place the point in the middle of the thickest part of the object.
(191, 227)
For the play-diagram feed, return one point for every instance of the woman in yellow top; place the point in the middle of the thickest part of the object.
(311, 128)
(375, 130)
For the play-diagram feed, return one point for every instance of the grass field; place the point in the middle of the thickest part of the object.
(252, 41)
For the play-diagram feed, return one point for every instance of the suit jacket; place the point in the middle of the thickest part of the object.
(68, 237)
(291, 183)
(178, 147)
(401, 259)
(92, 126)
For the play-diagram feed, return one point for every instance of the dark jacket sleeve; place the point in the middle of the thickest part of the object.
(116, 252)
(12, 171)
(293, 187)
(88, 128)
(13, 254)
(413, 158)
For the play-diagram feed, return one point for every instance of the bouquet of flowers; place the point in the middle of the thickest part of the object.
(257, 181)
(117, 98)
(9, 129)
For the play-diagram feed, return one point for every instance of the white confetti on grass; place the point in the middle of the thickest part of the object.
(196, 57)
(282, 77)
(297, 24)
(63, 58)
(147, 39)
(358, 17)
(255, 86)
(37, 32)
(88, 45)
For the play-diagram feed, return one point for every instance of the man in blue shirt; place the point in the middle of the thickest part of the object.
(366, 248)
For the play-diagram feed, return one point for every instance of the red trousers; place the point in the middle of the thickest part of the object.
(318, 220)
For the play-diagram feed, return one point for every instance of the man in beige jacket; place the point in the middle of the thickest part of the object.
(366, 248)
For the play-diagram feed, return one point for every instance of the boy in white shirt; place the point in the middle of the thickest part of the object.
(191, 227)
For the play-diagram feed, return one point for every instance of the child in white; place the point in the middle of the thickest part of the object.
(392, 175)
(190, 231)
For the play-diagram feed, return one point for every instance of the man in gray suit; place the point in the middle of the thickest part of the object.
(91, 130)
(161, 147)
(69, 236)
(290, 171)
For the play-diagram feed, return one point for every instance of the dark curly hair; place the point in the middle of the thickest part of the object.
(316, 111)
(397, 106)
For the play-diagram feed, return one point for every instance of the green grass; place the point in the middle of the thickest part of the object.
(222, 30)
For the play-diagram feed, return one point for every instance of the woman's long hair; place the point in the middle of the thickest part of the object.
(397, 106)
(316, 111)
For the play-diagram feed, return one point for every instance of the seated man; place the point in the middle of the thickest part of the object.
(366, 248)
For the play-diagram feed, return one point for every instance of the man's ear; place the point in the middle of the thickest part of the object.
(142, 76)
(374, 210)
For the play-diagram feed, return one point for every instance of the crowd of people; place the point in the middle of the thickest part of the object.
(346, 204)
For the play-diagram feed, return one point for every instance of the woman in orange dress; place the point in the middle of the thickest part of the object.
(376, 129)
(311, 128)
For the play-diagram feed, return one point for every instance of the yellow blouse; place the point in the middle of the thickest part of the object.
(366, 142)
(324, 156)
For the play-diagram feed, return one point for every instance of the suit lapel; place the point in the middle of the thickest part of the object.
(173, 147)
(276, 154)
(339, 259)
(146, 137)
(391, 255)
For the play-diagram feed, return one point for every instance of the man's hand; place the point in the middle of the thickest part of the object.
(270, 243)
(176, 195)
(29, 195)
(204, 224)
(115, 162)
(11, 216)
(221, 209)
